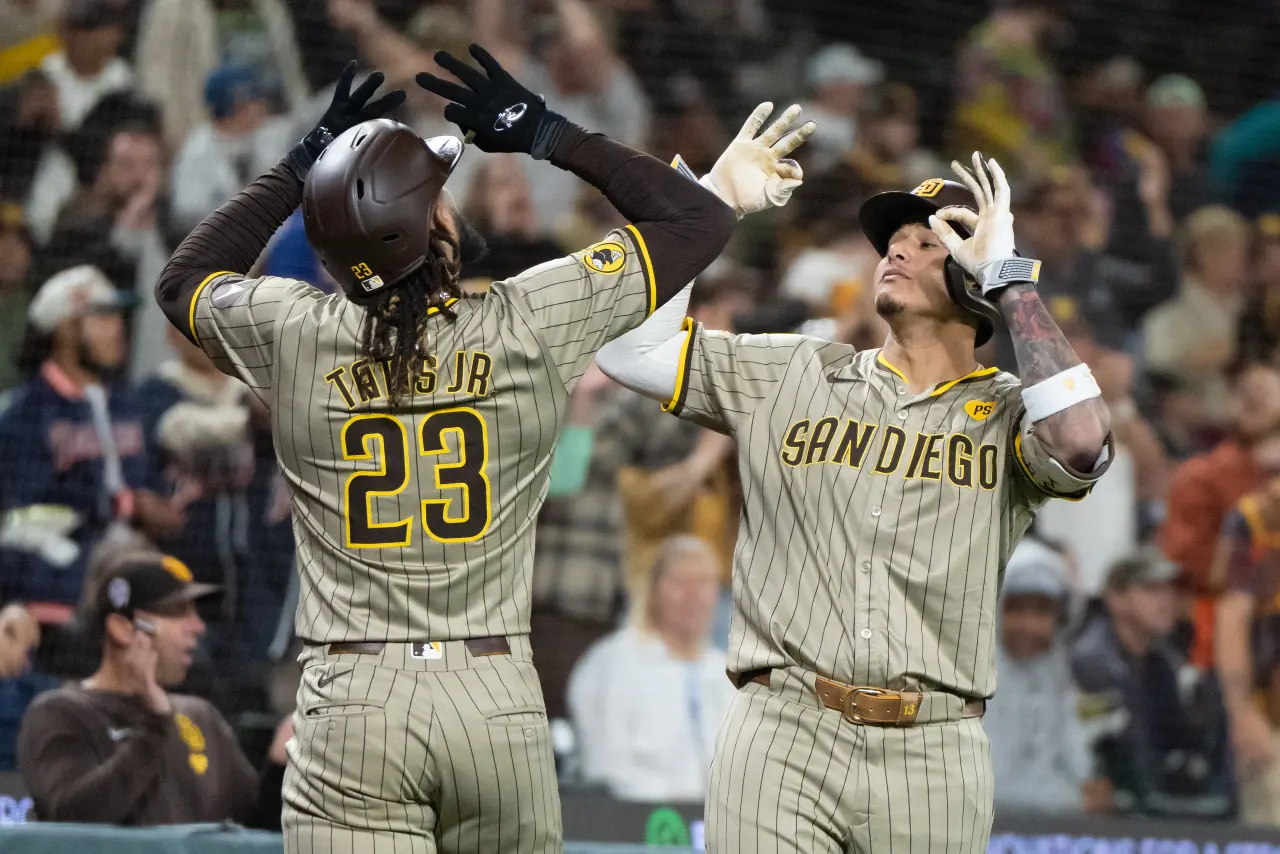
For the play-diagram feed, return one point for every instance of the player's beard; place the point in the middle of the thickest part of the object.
(888, 306)
(471, 243)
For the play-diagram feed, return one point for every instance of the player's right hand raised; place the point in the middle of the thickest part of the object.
(752, 174)
(495, 110)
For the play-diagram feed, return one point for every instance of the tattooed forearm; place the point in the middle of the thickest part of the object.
(1075, 435)
(1041, 348)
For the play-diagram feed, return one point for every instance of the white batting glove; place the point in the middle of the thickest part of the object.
(752, 174)
(988, 255)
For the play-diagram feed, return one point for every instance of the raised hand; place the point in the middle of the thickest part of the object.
(492, 108)
(346, 110)
(752, 174)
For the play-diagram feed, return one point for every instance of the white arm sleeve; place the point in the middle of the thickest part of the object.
(647, 359)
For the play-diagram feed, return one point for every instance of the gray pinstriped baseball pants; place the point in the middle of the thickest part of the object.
(792, 777)
(397, 755)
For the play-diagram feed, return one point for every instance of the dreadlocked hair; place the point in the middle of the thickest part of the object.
(395, 323)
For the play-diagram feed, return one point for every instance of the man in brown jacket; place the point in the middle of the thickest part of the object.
(117, 748)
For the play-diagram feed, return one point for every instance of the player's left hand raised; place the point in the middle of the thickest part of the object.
(752, 174)
(496, 111)
(992, 225)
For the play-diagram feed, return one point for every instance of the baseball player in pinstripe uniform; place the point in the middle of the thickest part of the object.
(415, 427)
(883, 492)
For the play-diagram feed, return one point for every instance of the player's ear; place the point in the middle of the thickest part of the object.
(118, 629)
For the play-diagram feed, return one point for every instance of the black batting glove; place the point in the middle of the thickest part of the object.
(495, 112)
(346, 110)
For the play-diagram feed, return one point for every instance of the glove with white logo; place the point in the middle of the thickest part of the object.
(751, 174)
(346, 110)
(988, 255)
(493, 109)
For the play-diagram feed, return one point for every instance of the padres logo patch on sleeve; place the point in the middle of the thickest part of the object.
(606, 257)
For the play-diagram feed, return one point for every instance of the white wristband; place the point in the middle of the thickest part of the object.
(1060, 391)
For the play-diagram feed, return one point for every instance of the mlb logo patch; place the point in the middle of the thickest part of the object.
(427, 651)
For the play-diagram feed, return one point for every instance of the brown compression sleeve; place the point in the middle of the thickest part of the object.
(685, 226)
(228, 240)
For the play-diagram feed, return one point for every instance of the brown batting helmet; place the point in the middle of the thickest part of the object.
(368, 202)
(884, 213)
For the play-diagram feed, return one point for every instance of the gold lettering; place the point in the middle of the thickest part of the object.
(820, 440)
(478, 381)
(334, 378)
(932, 469)
(459, 372)
(922, 441)
(960, 460)
(891, 450)
(988, 474)
(366, 382)
(425, 382)
(854, 443)
(795, 442)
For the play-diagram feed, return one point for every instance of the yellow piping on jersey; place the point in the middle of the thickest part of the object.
(435, 309)
(1065, 496)
(648, 267)
(191, 312)
(682, 366)
(980, 372)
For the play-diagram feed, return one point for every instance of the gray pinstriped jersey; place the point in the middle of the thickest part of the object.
(417, 523)
(876, 523)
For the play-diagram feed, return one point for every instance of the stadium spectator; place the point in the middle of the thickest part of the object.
(1259, 332)
(15, 268)
(1009, 102)
(646, 702)
(196, 422)
(501, 209)
(839, 76)
(1244, 159)
(28, 33)
(120, 749)
(1166, 752)
(678, 478)
(1193, 335)
(28, 129)
(218, 158)
(1039, 756)
(19, 635)
(89, 65)
(75, 462)
(578, 591)
(1205, 488)
(1063, 222)
(1178, 122)
(887, 154)
(1248, 647)
(182, 42)
(118, 221)
(1107, 524)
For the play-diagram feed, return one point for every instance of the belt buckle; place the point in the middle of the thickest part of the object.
(849, 707)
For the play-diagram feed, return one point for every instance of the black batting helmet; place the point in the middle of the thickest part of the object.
(884, 213)
(368, 201)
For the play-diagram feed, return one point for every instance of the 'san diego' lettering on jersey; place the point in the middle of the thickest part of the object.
(932, 456)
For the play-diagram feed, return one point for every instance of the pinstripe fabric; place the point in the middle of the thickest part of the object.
(876, 523)
(416, 523)
(402, 755)
(790, 777)
(503, 371)
(875, 529)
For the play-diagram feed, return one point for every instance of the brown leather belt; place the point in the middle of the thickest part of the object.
(864, 705)
(478, 647)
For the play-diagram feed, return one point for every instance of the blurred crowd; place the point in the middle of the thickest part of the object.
(1140, 627)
